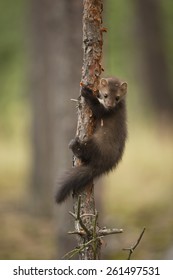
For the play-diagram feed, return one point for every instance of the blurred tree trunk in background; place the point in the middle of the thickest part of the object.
(56, 60)
(156, 76)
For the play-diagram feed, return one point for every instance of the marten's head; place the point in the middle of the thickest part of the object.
(111, 92)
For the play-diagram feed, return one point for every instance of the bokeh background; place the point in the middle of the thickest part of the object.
(40, 70)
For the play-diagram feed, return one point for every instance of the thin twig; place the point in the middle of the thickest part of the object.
(95, 234)
(70, 254)
(78, 219)
(105, 232)
(74, 100)
(73, 215)
(95, 225)
(132, 248)
(78, 207)
(77, 232)
(78, 250)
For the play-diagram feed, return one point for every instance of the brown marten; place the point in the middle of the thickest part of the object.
(104, 149)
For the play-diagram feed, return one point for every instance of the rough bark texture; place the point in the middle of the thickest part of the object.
(91, 70)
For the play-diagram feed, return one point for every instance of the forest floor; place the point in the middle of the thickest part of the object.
(139, 194)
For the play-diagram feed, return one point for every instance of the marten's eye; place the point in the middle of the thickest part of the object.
(105, 95)
(117, 98)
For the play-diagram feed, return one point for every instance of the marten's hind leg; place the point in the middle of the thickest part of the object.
(83, 150)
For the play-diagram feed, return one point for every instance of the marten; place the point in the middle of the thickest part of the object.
(104, 149)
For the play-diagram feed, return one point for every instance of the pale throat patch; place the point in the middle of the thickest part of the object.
(101, 101)
(101, 122)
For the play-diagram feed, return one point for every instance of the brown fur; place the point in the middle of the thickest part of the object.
(103, 151)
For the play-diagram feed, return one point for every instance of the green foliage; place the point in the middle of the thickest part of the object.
(11, 61)
(119, 45)
(167, 13)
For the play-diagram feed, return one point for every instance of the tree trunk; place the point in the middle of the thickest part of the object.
(55, 62)
(92, 46)
(156, 76)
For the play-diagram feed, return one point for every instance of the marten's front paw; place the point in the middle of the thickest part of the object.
(71, 144)
(74, 143)
(75, 146)
(86, 91)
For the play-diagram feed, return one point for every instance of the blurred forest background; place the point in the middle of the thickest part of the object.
(40, 68)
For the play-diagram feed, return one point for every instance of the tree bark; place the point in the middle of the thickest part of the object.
(91, 70)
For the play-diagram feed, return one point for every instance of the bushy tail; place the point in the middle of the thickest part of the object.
(75, 180)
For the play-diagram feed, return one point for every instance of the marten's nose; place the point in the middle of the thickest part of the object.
(111, 104)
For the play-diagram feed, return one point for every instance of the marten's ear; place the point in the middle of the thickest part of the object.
(123, 87)
(103, 82)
